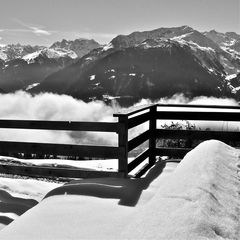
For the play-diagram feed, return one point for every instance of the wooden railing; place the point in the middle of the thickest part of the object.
(82, 151)
(149, 115)
(157, 112)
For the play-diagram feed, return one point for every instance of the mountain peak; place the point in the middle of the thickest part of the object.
(186, 27)
(80, 46)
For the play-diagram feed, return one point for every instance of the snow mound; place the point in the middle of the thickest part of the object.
(199, 200)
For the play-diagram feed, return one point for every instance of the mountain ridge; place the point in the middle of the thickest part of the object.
(200, 63)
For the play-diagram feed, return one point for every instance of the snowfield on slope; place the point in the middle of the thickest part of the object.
(198, 200)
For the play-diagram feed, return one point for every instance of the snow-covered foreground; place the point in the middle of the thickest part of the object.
(19, 195)
(198, 200)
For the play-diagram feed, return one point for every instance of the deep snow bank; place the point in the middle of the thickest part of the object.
(199, 200)
(19, 195)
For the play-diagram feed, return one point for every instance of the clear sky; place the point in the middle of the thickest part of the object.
(44, 21)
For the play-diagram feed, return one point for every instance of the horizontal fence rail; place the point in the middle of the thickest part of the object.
(198, 134)
(62, 149)
(195, 115)
(61, 125)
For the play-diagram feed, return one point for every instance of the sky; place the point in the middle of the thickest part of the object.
(42, 22)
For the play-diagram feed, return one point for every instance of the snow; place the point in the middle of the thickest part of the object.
(92, 77)
(108, 164)
(89, 58)
(9, 215)
(50, 53)
(198, 200)
(3, 56)
(31, 86)
(235, 90)
(27, 188)
(19, 195)
(107, 47)
(180, 37)
(229, 77)
(110, 70)
(195, 46)
(105, 96)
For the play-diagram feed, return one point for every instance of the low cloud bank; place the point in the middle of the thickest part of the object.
(47, 106)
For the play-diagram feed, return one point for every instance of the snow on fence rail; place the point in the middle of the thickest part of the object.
(126, 121)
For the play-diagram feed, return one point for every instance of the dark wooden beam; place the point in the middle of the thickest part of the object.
(198, 135)
(135, 121)
(139, 159)
(135, 142)
(61, 125)
(37, 171)
(195, 115)
(61, 149)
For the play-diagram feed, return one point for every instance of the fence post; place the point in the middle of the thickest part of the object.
(123, 143)
(152, 136)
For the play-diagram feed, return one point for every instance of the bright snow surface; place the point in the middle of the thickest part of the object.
(198, 200)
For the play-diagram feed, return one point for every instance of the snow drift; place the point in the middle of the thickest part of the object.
(199, 200)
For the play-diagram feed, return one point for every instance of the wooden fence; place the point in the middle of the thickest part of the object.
(157, 112)
(126, 121)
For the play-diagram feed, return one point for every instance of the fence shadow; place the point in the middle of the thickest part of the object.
(127, 190)
(15, 205)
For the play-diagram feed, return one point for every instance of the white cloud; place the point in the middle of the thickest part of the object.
(39, 31)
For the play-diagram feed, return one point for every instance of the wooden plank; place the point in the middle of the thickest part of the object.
(61, 125)
(152, 135)
(139, 159)
(61, 149)
(54, 172)
(132, 111)
(135, 121)
(173, 152)
(198, 134)
(199, 106)
(194, 115)
(135, 142)
(123, 144)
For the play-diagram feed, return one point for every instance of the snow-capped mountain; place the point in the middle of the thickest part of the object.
(23, 67)
(72, 49)
(229, 42)
(49, 53)
(204, 45)
(79, 46)
(152, 69)
(14, 51)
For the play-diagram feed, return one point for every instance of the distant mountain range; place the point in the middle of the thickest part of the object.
(149, 64)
